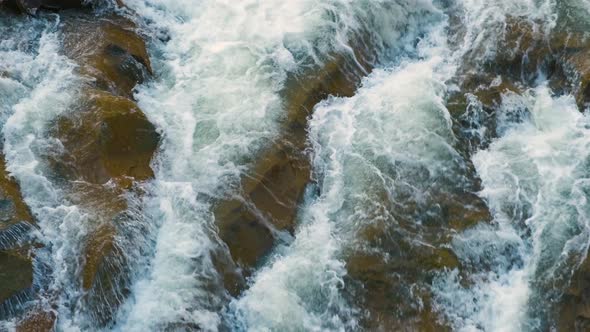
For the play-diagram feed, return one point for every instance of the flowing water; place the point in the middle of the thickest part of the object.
(40, 85)
(387, 167)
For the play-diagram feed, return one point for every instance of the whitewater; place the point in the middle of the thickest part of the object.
(386, 164)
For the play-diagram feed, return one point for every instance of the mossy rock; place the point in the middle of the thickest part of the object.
(108, 137)
(16, 273)
(109, 50)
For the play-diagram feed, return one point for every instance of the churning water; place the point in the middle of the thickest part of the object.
(381, 159)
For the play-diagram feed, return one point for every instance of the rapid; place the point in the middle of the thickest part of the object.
(430, 205)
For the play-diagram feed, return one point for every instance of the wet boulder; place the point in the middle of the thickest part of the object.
(106, 137)
(37, 320)
(526, 48)
(391, 302)
(575, 65)
(99, 245)
(13, 209)
(109, 51)
(473, 108)
(108, 144)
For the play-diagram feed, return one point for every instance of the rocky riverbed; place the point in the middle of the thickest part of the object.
(294, 166)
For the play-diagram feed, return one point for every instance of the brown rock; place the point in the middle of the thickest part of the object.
(573, 308)
(394, 259)
(108, 146)
(100, 245)
(109, 137)
(37, 321)
(109, 51)
(387, 298)
(523, 52)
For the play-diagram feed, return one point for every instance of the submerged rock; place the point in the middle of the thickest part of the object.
(104, 275)
(574, 306)
(388, 303)
(13, 209)
(403, 243)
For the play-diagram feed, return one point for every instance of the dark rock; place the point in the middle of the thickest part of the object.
(16, 280)
(32, 6)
